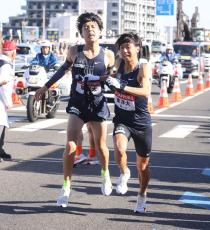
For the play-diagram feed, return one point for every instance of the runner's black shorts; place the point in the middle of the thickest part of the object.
(94, 110)
(142, 138)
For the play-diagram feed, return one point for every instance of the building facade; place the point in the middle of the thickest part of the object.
(132, 15)
(119, 16)
(39, 12)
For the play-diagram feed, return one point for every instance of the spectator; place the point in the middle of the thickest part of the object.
(6, 87)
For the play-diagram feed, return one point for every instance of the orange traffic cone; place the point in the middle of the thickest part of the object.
(150, 105)
(15, 98)
(208, 81)
(163, 99)
(200, 85)
(176, 92)
(189, 91)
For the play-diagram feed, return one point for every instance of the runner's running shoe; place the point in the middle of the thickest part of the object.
(140, 204)
(106, 187)
(63, 198)
(122, 186)
(79, 159)
(4, 155)
(92, 160)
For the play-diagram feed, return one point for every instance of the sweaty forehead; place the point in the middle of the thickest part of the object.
(90, 23)
(127, 43)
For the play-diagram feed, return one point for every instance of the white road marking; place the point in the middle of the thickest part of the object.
(180, 131)
(18, 108)
(84, 128)
(180, 116)
(178, 103)
(39, 125)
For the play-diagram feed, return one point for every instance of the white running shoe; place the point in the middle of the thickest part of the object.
(93, 160)
(122, 186)
(79, 159)
(140, 204)
(106, 187)
(63, 198)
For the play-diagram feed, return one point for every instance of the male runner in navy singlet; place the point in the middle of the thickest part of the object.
(132, 119)
(89, 64)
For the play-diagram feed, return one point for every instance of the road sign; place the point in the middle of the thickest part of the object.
(52, 35)
(30, 33)
(164, 7)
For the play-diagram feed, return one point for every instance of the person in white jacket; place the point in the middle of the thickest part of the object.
(6, 88)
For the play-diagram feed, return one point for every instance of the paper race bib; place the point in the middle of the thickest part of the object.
(125, 101)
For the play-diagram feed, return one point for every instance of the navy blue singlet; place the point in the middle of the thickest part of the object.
(82, 66)
(87, 99)
(131, 110)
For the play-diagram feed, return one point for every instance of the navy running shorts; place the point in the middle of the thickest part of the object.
(96, 110)
(142, 138)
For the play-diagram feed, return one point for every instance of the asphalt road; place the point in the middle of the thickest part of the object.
(179, 190)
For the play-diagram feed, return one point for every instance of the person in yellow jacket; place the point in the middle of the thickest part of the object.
(6, 87)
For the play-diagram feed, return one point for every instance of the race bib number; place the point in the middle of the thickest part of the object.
(124, 101)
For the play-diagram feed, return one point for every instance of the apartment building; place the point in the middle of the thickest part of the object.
(119, 16)
(132, 15)
(39, 12)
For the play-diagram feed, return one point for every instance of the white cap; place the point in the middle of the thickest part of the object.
(45, 43)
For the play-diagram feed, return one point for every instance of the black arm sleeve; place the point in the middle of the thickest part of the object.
(59, 73)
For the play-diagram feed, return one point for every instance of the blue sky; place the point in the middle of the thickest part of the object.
(13, 7)
(189, 8)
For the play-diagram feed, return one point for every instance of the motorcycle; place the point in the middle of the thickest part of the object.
(33, 79)
(166, 73)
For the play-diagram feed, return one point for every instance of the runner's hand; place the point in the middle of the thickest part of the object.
(91, 77)
(40, 92)
(113, 83)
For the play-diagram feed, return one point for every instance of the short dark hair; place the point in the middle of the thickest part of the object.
(88, 17)
(128, 38)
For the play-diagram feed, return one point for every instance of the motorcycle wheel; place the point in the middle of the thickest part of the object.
(52, 113)
(169, 89)
(32, 113)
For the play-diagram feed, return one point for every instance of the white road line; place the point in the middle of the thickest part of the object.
(178, 103)
(180, 131)
(18, 108)
(180, 116)
(84, 128)
(39, 125)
